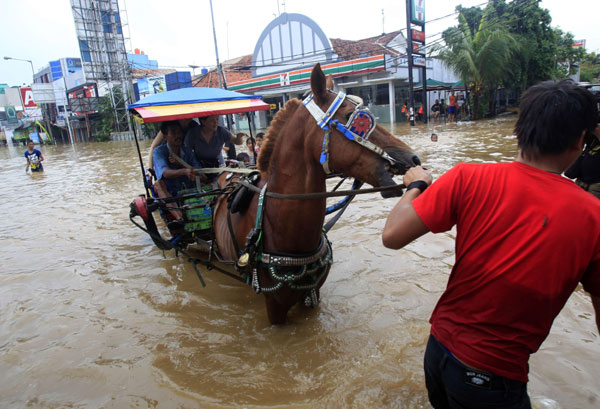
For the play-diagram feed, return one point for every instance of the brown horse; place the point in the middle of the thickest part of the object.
(289, 163)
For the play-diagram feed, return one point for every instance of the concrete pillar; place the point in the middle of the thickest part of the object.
(392, 96)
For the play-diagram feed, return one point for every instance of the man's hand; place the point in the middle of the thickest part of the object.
(239, 138)
(417, 173)
(190, 173)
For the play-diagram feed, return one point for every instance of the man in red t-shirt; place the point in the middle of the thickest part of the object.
(526, 236)
(452, 107)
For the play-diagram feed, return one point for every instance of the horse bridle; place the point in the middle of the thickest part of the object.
(359, 127)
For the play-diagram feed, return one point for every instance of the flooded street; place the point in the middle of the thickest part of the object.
(93, 315)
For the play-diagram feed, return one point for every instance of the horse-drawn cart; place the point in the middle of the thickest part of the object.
(267, 226)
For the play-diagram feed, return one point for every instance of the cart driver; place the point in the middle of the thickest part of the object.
(171, 175)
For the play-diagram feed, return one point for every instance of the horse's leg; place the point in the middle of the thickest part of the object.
(276, 312)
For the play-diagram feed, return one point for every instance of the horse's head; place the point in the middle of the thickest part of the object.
(357, 146)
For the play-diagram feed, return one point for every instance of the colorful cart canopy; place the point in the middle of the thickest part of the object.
(193, 103)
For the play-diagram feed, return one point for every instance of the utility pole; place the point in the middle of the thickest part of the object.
(219, 68)
(69, 131)
(216, 48)
(415, 14)
(411, 97)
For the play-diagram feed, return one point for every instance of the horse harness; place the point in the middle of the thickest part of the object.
(297, 272)
(359, 127)
(305, 272)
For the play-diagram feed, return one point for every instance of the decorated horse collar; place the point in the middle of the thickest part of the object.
(359, 127)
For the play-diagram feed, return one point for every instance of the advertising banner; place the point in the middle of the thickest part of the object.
(11, 114)
(418, 35)
(418, 49)
(418, 61)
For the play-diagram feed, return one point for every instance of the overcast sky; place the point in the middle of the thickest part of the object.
(179, 32)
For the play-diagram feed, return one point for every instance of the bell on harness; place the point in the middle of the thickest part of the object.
(250, 248)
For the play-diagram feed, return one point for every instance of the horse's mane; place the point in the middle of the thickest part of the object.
(268, 146)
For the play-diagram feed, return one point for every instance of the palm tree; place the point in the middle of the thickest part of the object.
(481, 57)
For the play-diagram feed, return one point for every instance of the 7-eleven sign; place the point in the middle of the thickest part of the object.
(418, 12)
(284, 79)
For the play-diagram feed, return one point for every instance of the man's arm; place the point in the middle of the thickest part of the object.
(238, 139)
(28, 163)
(175, 173)
(403, 225)
(156, 142)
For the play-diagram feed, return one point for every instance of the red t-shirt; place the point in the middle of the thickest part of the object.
(525, 238)
(452, 100)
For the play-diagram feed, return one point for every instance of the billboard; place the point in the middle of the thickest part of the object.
(30, 108)
(157, 84)
(84, 99)
(151, 85)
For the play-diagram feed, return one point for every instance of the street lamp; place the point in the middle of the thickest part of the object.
(19, 59)
(192, 66)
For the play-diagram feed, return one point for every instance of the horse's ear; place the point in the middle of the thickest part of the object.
(317, 84)
(329, 83)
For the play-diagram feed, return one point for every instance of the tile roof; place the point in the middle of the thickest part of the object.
(233, 71)
(138, 73)
(349, 49)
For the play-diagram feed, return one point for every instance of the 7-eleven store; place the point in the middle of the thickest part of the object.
(374, 69)
(277, 89)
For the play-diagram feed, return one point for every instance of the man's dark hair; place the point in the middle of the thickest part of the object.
(165, 126)
(260, 135)
(552, 117)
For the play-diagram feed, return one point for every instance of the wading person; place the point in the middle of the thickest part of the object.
(526, 236)
(452, 106)
(34, 158)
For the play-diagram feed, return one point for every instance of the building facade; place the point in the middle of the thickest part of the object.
(376, 68)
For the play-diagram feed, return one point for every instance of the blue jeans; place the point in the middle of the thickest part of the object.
(452, 385)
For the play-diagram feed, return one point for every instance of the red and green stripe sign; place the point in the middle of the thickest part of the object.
(358, 66)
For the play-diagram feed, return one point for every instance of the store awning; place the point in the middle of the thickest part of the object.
(433, 85)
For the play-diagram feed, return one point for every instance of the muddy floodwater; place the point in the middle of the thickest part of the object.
(93, 315)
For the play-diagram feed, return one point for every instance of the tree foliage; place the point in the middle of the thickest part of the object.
(544, 52)
(590, 67)
(480, 55)
(107, 122)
